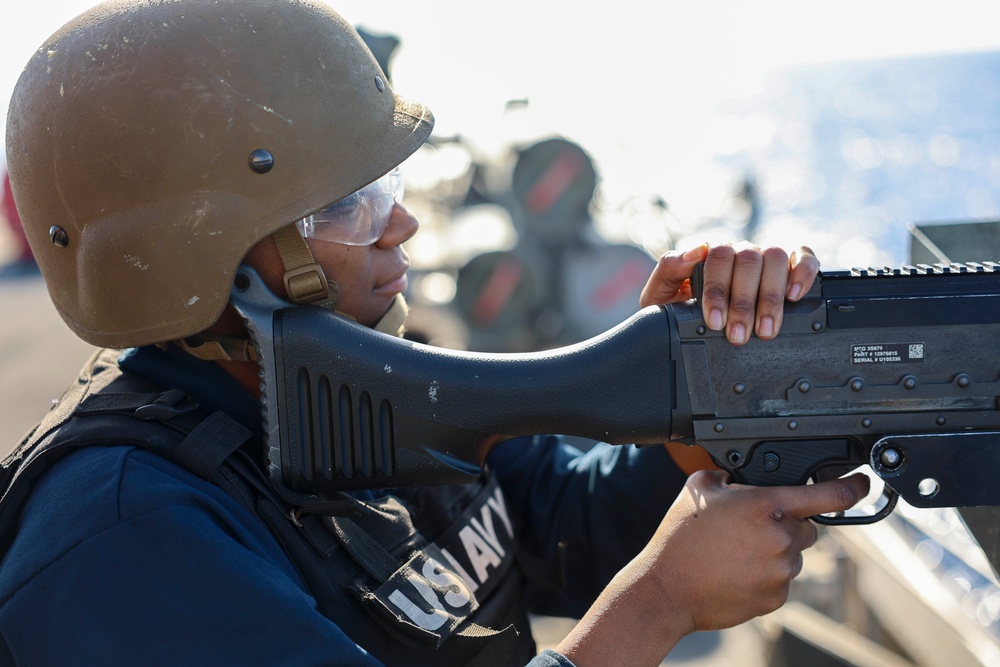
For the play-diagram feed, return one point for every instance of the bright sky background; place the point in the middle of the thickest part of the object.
(634, 82)
(633, 69)
(634, 76)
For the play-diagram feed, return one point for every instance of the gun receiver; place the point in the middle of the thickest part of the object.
(893, 368)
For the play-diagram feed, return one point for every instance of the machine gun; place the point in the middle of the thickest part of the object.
(897, 369)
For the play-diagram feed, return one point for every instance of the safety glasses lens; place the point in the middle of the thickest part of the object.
(359, 218)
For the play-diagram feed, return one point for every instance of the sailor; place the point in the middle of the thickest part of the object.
(154, 146)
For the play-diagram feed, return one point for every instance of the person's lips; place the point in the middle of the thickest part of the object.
(397, 284)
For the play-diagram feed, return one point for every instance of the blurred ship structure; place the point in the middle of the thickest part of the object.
(512, 248)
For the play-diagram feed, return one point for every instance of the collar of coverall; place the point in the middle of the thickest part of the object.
(305, 283)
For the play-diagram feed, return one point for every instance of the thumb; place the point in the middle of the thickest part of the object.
(835, 495)
(666, 283)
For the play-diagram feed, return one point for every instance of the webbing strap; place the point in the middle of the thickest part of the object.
(305, 281)
(364, 550)
(394, 320)
(210, 347)
(109, 402)
(210, 443)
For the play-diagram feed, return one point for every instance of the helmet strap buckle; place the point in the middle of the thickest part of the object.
(306, 284)
(305, 281)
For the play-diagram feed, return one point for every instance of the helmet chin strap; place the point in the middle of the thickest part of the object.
(394, 320)
(305, 283)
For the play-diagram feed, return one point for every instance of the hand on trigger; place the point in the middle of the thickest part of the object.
(723, 554)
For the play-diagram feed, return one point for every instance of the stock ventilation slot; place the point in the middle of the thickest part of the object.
(340, 433)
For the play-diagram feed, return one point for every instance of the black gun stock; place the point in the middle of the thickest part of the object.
(360, 409)
(893, 368)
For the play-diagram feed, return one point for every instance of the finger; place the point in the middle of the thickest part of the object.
(718, 281)
(747, 266)
(670, 280)
(771, 293)
(803, 266)
(805, 534)
(706, 481)
(797, 567)
(836, 495)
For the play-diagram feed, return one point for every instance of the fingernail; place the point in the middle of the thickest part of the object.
(694, 254)
(794, 290)
(766, 327)
(738, 334)
(715, 322)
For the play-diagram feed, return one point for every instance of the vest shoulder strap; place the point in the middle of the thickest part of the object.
(104, 406)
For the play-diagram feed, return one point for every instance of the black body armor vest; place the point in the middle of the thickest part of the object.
(436, 586)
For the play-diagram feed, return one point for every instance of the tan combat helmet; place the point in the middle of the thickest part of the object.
(152, 143)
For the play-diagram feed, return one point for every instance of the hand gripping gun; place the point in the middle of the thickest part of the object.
(897, 369)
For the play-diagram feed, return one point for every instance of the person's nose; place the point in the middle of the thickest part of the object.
(402, 226)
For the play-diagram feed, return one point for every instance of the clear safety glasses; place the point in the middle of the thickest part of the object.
(359, 218)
